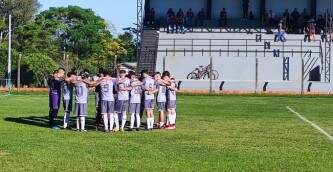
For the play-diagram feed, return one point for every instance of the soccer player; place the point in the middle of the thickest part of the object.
(98, 100)
(135, 102)
(68, 98)
(161, 99)
(55, 84)
(171, 101)
(149, 89)
(107, 102)
(122, 103)
(81, 103)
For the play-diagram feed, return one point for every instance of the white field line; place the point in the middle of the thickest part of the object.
(311, 123)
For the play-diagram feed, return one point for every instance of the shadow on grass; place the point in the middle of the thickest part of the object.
(44, 121)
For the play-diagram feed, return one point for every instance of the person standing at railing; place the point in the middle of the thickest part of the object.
(201, 17)
(245, 8)
(280, 35)
(223, 18)
(180, 21)
(189, 18)
(170, 20)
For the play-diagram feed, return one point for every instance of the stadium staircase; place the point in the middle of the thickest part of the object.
(149, 47)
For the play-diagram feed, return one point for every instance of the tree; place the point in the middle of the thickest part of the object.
(40, 65)
(127, 41)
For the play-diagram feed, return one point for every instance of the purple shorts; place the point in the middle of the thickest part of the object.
(149, 104)
(161, 106)
(172, 104)
(135, 108)
(122, 106)
(107, 107)
(54, 101)
(81, 109)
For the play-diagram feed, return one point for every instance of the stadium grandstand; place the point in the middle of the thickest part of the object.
(260, 45)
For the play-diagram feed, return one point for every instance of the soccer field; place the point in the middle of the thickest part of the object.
(214, 133)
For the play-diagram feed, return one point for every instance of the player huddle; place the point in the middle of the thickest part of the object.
(116, 97)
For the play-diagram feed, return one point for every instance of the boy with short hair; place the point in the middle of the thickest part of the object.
(122, 103)
(68, 98)
(149, 89)
(55, 83)
(171, 101)
(135, 101)
(161, 99)
(81, 102)
(107, 102)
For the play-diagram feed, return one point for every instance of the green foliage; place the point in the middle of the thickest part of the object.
(40, 65)
(78, 32)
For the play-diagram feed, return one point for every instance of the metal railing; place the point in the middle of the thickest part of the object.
(226, 47)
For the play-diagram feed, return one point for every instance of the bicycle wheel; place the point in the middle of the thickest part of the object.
(192, 75)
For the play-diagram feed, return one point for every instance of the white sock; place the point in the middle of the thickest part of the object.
(116, 120)
(111, 118)
(65, 120)
(106, 122)
(174, 118)
(152, 123)
(148, 123)
(78, 123)
(132, 120)
(123, 120)
(83, 122)
(168, 119)
(138, 120)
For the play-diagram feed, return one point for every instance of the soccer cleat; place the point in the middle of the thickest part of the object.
(121, 130)
(138, 129)
(115, 130)
(171, 127)
(55, 128)
(84, 130)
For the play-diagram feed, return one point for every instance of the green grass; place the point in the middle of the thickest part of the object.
(228, 133)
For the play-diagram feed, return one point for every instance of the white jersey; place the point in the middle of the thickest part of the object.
(136, 94)
(161, 94)
(149, 83)
(81, 92)
(124, 95)
(107, 90)
(171, 93)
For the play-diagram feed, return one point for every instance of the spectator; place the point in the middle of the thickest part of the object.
(265, 18)
(321, 23)
(189, 18)
(280, 35)
(251, 16)
(245, 8)
(286, 16)
(223, 18)
(170, 20)
(201, 17)
(180, 21)
(309, 31)
(150, 17)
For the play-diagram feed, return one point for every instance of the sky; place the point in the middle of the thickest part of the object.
(121, 13)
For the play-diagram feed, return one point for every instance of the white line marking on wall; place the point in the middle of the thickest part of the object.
(311, 123)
